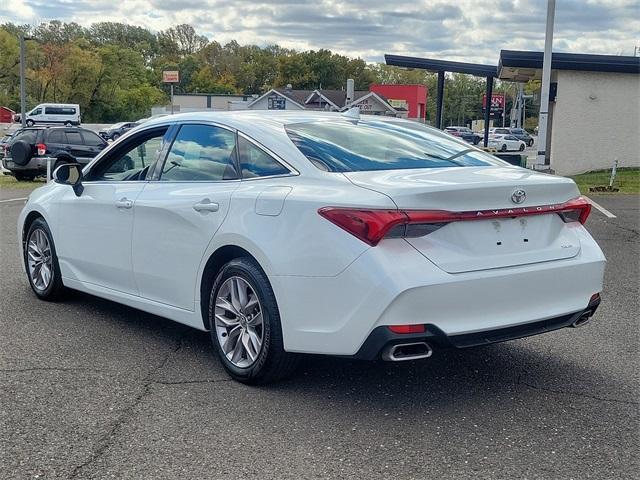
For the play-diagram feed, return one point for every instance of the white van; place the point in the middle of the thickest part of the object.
(65, 113)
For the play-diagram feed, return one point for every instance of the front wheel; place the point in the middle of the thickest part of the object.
(521, 147)
(245, 325)
(68, 124)
(30, 123)
(503, 148)
(41, 262)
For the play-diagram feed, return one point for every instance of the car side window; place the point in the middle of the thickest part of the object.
(255, 162)
(92, 139)
(37, 111)
(57, 136)
(131, 160)
(74, 137)
(201, 153)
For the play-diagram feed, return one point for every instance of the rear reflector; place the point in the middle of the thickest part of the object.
(42, 148)
(406, 328)
(371, 226)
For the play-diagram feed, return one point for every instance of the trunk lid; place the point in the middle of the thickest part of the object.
(466, 246)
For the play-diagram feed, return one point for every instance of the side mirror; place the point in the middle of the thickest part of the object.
(70, 174)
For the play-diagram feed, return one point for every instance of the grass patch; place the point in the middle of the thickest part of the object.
(627, 180)
(8, 182)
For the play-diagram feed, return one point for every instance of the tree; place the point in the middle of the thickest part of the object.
(182, 39)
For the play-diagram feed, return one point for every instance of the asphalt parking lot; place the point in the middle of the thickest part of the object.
(91, 389)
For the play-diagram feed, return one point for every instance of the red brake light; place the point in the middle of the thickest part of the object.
(42, 148)
(406, 328)
(576, 210)
(372, 225)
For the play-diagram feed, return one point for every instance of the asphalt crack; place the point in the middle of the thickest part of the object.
(107, 440)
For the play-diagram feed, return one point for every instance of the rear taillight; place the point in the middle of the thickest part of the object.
(42, 148)
(576, 210)
(373, 225)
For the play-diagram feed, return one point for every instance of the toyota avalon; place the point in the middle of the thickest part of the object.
(286, 233)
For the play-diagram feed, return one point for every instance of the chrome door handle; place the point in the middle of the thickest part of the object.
(124, 203)
(206, 205)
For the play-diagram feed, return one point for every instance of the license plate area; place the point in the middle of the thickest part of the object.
(502, 242)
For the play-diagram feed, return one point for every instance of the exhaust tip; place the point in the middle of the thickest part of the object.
(407, 351)
(583, 319)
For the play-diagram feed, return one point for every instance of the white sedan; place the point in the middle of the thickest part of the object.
(505, 143)
(285, 233)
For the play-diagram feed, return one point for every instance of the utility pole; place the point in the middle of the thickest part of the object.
(23, 100)
(546, 81)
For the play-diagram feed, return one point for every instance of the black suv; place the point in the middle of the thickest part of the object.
(29, 149)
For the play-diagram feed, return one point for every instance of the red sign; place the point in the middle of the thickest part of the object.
(170, 76)
(497, 102)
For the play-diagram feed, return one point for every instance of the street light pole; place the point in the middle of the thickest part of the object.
(546, 81)
(23, 100)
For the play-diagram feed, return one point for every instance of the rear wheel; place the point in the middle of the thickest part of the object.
(41, 262)
(245, 325)
(521, 147)
(30, 123)
(115, 136)
(503, 148)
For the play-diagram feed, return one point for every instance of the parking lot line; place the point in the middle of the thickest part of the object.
(13, 199)
(603, 210)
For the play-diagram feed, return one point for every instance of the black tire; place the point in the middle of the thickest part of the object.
(530, 143)
(55, 290)
(30, 123)
(503, 148)
(21, 152)
(521, 148)
(272, 362)
(115, 136)
(24, 177)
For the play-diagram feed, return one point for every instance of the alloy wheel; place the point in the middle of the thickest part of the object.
(239, 322)
(39, 260)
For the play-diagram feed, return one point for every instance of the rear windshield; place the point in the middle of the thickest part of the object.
(353, 146)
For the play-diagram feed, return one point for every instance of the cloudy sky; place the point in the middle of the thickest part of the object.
(464, 30)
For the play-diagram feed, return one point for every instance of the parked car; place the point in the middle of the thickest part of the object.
(284, 233)
(522, 134)
(505, 143)
(52, 113)
(465, 133)
(29, 149)
(116, 130)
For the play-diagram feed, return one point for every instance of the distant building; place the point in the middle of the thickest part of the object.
(201, 102)
(6, 115)
(411, 97)
(327, 100)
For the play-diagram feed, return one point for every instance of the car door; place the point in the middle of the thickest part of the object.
(94, 229)
(178, 213)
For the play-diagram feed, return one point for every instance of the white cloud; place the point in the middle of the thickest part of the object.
(465, 30)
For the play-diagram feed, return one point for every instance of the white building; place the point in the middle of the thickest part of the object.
(594, 110)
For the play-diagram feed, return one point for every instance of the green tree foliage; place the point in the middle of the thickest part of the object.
(114, 70)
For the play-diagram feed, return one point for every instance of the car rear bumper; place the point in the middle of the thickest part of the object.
(35, 165)
(381, 338)
(393, 284)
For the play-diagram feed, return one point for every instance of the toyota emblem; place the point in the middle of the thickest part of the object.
(518, 196)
